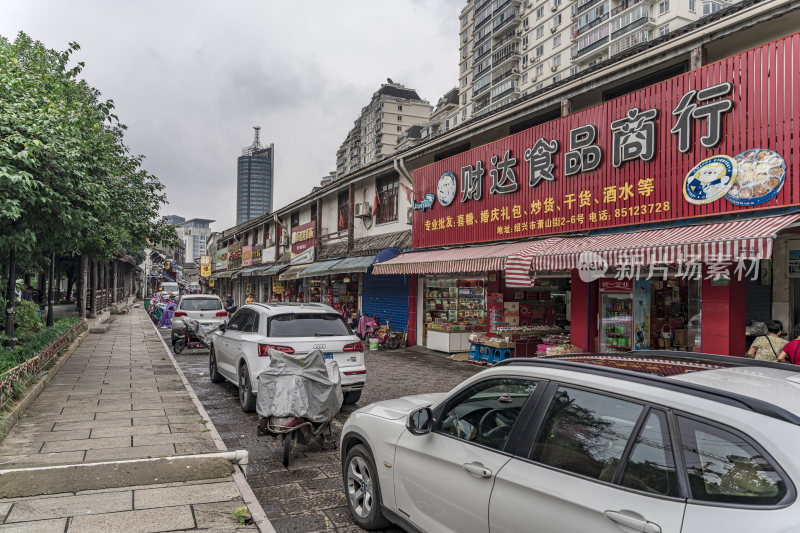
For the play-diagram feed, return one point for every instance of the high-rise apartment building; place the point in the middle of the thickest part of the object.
(509, 48)
(391, 111)
(193, 233)
(255, 179)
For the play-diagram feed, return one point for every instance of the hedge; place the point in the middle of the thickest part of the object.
(29, 344)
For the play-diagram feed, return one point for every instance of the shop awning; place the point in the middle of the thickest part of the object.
(236, 274)
(317, 269)
(223, 274)
(451, 260)
(724, 241)
(250, 271)
(274, 269)
(293, 272)
(352, 265)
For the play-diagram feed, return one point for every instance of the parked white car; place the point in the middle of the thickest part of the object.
(550, 445)
(205, 308)
(240, 347)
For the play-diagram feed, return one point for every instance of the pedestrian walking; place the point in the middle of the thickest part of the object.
(791, 352)
(768, 347)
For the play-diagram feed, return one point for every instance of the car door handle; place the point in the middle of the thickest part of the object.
(639, 524)
(477, 470)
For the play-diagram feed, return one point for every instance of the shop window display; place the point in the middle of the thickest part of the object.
(455, 303)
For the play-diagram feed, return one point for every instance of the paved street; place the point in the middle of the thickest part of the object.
(308, 496)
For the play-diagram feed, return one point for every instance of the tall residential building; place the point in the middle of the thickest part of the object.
(510, 48)
(255, 179)
(392, 110)
(194, 233)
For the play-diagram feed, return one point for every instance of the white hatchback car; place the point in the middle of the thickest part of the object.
(240, 347)
(205, 308)
(649, 442)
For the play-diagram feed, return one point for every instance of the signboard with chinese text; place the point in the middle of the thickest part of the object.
(712, 141)
(221, 260)
(205, 266)
(302, 238)
(257, 249)
(234, 256)
(247, 255)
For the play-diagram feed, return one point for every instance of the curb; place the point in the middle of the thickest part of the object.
(260, 518)
(22, 405)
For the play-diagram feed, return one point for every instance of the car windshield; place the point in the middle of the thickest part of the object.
(308, 325)
(201, 304)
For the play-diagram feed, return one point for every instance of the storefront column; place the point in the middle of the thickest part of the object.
(412, 309)
(566, 107)
(351, 219)
(723, 317)
(583, 313)
(697, 57)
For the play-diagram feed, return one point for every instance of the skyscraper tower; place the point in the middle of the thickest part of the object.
(255, 176)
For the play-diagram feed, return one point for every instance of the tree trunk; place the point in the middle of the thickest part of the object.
(11, 296)
(70, 283)
(41, 289)
(82, 281)
(51, 295)
(27, 280)
(92, 289)
(114, 280)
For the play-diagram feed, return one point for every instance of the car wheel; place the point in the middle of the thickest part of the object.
(246, 398)
(213, 373)
(352, 396)
(362, 488)
(288, 444)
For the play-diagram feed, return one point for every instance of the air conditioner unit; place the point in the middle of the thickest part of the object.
(524, 46)
(553, 29)
(362, 209)
(409, 215)
(519, 32)
(285, 239)
(553, 7)
(536, 59)
(553, 68)
(270, 243)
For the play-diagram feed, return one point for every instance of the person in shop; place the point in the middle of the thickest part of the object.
(250, 298)
(791, 352)
(229, 301)
(768, 347)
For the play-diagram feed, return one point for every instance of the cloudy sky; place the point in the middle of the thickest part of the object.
(191, 78)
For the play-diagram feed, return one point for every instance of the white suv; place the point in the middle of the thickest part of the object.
(655, 442)
(240, 347)
(205, 308)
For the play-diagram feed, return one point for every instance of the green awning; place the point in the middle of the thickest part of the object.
(352, 264)
(318, 269)
(293, 272)
(236, 274)
(251, 271)
(274, 269)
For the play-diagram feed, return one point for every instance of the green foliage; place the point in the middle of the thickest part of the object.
(242, 516)
(26, 319)
(30, 344)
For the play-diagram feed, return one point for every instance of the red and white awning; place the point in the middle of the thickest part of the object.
(729, 241)
(452, 260)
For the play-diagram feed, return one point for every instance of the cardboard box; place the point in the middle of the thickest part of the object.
(511, 306)
(512, 321)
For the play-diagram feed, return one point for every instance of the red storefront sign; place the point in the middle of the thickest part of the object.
(712, 141)
(302, 238)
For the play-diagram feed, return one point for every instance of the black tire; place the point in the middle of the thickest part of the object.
(179, 346)
(364, 499)
(352, 397)
(247, 399)
(288, 444)
(392, 342)
(213, 373)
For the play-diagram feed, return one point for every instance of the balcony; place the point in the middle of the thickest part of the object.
(508, 19)
(629, 20)
(479, 5)
(593, 24)
(504, 89)
(487, 107)
(629, 41)
(584, 6)
(590, 52)
(505, 53)
(625, 5)
(511, 73)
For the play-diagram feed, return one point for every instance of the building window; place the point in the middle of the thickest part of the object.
(663, 30)
(399, 107)
(573, 71)
(663, 7)
(386, 198)
(557, 78)
(711, 7)
(540, 31)
(525, 78)
(399, 118)
(557, 60)
(692, 5)
(540, 12)
(464, 113)
(557, 20)
(313, 212)
(538, 87)
(556, 3)
(539, 70)
(344, 211)
(399, 128)
(539, 50)
(464, 99)
(295, 220)
(557, 40)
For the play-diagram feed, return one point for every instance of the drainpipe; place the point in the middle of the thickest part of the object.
(400, 167)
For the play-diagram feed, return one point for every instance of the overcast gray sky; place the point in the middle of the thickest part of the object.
(191, 78)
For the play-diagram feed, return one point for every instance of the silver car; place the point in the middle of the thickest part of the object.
(240, 347)
(658, 442)
(205, 308)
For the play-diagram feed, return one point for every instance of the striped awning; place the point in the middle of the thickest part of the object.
(452, 260)
(703, 243)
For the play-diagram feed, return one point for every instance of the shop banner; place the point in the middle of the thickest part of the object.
(277, 285)
(716, 140)
(205, 266)
(221, 260)
(211, 283)
(268, 254)
(247, 255)
(234, 256)
(257, 248)
(302, 238)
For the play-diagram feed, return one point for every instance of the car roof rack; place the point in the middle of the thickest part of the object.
(694, 389)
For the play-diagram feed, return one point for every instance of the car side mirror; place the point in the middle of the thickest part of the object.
(420, 422)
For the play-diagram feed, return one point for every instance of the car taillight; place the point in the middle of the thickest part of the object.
(355, 372)
(179, 313)
(354, 347)
(263, 349)
(222, 313)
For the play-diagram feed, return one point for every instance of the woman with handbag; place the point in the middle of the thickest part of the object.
(791, 352)
(767, 347)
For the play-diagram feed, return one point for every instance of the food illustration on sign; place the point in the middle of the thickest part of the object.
(446, 189)
(761, 176)
(709, 180)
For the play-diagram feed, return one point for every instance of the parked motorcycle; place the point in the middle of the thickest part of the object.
(195, 336)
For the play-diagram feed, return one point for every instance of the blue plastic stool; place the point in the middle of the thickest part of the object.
(474, 352)
(486, 356)
(499, 354)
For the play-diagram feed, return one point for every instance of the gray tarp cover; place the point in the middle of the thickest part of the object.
(302, 385)
(201, 332)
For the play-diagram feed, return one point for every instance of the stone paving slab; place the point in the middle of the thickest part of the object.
(144, 521)
(56, 525)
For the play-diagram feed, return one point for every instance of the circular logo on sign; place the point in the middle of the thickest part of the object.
(760, 177)
(710, 180)
(446, 189)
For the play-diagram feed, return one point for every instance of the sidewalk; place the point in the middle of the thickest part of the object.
(117, 398)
